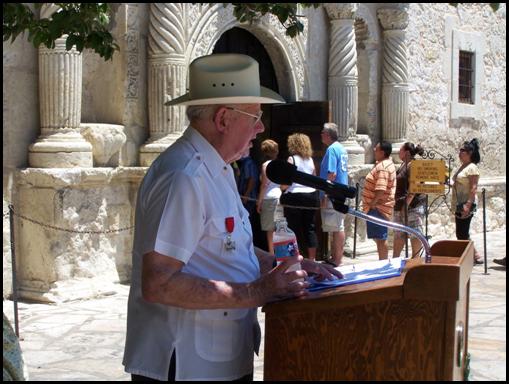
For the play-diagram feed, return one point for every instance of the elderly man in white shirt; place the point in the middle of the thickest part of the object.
(197, 279)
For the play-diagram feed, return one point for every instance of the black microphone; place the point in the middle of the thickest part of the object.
(282, 172)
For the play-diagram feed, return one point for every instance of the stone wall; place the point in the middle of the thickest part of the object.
(115, 91)
(71, 245)
(430, 75)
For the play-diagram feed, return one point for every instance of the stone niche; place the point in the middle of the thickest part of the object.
(55, 265)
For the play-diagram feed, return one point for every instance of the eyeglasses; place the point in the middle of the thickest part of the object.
(257, 116)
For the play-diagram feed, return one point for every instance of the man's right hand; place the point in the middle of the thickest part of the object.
(279, 284)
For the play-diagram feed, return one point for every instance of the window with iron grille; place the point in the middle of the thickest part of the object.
(466, 77)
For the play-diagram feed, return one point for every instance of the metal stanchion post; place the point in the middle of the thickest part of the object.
(355, 220)
(427, 216)
(13, 267)
(406, 235)
(484, 230)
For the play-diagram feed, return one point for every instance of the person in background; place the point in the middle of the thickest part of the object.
(270, 192)
(409, 207)
(302, 221)
(334, 168)
(197, 279)
(464, 191)
(249, 177)
(378, 196)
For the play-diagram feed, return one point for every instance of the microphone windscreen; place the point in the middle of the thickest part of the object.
(281, 172)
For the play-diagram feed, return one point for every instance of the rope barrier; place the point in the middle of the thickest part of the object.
(109, 231)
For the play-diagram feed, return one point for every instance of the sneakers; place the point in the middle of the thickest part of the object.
(500, 261)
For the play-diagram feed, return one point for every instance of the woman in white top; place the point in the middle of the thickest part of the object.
(269, 193)
(302, 220)
(464, 191)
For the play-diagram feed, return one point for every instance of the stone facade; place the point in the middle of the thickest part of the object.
(74, 154)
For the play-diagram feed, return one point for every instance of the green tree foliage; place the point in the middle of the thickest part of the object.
(285, 12)
(85, 25)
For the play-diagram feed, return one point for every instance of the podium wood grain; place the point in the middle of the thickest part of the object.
(402, 328)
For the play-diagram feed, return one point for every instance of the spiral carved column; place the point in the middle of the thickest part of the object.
(395, 78)
(166, 77)
(343, 78)
(60, 144)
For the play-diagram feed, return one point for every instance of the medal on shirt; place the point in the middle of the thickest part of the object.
(229, 223)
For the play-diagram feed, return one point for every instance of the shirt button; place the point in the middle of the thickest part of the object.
(198, 157)
(226, 313)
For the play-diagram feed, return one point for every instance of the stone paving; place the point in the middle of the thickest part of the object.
(84, 340)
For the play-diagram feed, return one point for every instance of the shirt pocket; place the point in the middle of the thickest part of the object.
(219, 334)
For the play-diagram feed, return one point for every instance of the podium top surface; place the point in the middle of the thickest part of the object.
(440, 280)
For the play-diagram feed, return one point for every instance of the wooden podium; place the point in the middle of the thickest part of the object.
(410, 327)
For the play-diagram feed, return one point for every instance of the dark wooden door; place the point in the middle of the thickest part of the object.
(238, 40)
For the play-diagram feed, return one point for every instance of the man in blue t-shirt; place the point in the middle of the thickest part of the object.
(333, 168)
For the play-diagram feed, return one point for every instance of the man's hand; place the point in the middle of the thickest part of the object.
(321, 271)
(279, 284)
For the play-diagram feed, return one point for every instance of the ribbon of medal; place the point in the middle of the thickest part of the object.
(229, 223)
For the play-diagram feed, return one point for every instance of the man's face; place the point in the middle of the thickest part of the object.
(243, 124)
(379, 153)
(325, 137)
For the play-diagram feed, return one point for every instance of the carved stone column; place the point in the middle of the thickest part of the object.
(342, 80)
(395, 78)
(60, 144)
(166, 77)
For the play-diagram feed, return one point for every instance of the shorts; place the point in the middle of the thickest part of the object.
(376, 231)
(267, 214)
(332, 220)
(414, 219)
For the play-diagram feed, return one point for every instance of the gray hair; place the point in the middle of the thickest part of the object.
(332, 130)
(200, 112)
(205, 112)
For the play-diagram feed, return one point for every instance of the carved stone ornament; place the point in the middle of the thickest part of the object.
(167, 29)
(341, 10)
(393, 18)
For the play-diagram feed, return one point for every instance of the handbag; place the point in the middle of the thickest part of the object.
(459, 210)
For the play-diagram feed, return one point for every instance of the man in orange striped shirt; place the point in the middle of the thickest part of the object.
(378, 196)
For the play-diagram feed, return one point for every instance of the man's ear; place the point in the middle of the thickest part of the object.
(221, 119)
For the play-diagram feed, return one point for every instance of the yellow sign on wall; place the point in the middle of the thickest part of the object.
(427, 176)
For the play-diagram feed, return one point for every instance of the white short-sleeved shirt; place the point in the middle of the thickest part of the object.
(182, 204)
(306, 166)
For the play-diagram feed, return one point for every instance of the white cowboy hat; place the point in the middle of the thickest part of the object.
(225, 78)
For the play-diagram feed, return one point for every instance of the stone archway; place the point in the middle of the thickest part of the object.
(181, 32)
(286, 54)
